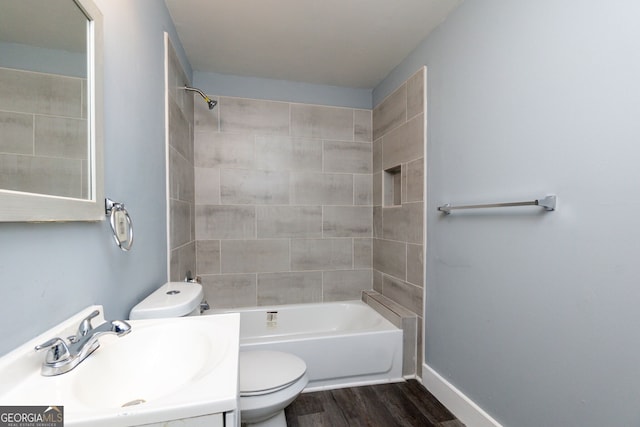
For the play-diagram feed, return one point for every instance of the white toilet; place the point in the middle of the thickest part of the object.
(269, 380)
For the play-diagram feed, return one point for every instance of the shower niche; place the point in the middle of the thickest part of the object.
(392, 186)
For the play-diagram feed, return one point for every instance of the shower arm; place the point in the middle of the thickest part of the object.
(212, 103)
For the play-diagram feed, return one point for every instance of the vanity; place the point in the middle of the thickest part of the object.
(164, 372)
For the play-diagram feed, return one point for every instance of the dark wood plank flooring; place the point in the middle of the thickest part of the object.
(405, 404)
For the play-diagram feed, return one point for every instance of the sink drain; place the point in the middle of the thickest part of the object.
(134, 402)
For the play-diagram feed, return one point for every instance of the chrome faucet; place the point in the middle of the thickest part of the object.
(62, 356)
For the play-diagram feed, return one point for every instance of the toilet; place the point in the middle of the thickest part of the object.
(269, 380)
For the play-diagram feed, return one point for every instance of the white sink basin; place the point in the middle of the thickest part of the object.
(165, 369)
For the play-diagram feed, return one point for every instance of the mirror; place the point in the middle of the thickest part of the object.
(50, 111)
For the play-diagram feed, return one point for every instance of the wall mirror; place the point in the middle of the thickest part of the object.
(51, 111)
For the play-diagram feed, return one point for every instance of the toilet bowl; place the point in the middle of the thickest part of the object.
(269, 380)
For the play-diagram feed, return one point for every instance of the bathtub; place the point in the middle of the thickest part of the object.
(344, 344)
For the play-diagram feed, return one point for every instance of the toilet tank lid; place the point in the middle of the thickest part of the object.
(173, 299)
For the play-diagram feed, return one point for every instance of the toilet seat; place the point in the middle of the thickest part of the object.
(263, 372)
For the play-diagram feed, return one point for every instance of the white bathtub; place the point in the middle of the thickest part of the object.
(343, 343)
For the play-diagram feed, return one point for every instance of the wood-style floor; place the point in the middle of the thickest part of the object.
(402, 404)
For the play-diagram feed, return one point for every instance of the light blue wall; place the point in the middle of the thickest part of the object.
(281, 90)
(535, 316)
(51, 271)
(53, 61)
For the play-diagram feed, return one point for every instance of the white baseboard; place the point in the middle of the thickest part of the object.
(462, 407)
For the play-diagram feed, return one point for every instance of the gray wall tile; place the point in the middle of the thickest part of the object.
(377, 189)
(362, 126)
(362, 190)
(409, 345)
(289, 221)
(175, 76)
(254, 256)
(207, 257)
(254, 187)
(347, 221)
(230, 290)
(253, 116)
(205, 120)
(415, 265)
(59, 177)
(408, 295)
(390, 257)
(390, 113)
(181, 179)
(224, 150)
(180, 131)
(289, 288)
(413, 181)
(321, 189)
(288, 154)
(347, 157)
(16, 133)
(404, 143)
(60, 137)
(377, 155)
(225, 222)
(183, 260)
(321, 254)
(40, 93)
(404, 223)
(377, 222)
(362, 253)
(207, 186)
(377, 280)
(314, 121)
(415, 94)
(251, 161)
(345, 285)
(180, 224)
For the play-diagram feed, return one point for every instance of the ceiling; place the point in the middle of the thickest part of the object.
(351, 43)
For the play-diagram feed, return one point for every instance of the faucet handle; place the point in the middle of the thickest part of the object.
(85, 325)
(58, 350)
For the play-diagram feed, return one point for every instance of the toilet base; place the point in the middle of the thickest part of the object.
(278, 420)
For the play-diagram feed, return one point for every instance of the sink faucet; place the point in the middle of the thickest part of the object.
(62, 356)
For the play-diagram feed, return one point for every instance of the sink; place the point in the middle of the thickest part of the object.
(143, 368)
(165, 369)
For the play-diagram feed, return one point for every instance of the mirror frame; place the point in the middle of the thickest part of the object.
(18, 206)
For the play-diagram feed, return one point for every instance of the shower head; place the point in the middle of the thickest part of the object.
(210, 102)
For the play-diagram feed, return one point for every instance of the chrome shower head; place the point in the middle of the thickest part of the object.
(210, 102)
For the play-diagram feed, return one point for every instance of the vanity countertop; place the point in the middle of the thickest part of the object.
(164, 369)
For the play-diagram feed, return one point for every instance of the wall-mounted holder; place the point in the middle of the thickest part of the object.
(120, 222)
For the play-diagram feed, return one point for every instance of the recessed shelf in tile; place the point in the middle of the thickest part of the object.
(392, 186)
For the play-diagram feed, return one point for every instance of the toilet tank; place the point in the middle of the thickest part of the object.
(173, 299)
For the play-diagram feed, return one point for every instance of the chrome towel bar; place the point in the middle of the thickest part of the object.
(547, 202)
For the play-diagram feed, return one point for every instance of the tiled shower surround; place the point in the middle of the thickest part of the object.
(181, 190)
(288, 204)
(398, 230)
(43, 133)
(283, 202)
